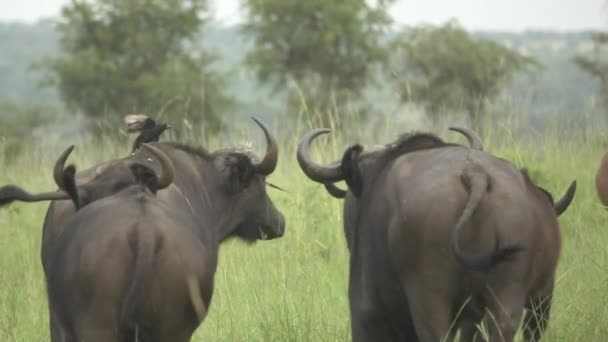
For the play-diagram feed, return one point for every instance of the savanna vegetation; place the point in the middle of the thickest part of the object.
(98, 64)
(294, 288)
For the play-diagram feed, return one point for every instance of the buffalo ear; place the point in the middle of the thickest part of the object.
(351, 170)
(145, 176)
(69, 182)
(547, 194)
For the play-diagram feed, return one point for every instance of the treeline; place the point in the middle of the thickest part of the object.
(561, 85)
(316, 60)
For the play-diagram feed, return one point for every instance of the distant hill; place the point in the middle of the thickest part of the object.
(560, 87)
(20, 46)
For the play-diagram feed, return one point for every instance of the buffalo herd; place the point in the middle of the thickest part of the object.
(442, 237)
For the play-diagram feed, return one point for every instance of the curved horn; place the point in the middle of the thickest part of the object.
(562, 204)
(318, 173)
(334, 191)
(166, 178)
(472, 137)
(59, 166)
(269, 162)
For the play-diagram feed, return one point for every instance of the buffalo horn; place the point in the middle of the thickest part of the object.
(60, 165)
(166, 178)
(472, 137)
(319, 173)
(269, 162)
(562, 204)
(334, 191)
(274, 186)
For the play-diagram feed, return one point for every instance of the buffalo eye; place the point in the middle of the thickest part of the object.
(245, 169)
(241, 172)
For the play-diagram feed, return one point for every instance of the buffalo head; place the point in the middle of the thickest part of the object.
(243, 181)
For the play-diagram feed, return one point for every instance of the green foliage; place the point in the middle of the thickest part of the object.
(328, 48)
(560, 88)
(597, 65)
(445, 68)
(127, 56)
(19, 81)
(522, 159)
(19, 125)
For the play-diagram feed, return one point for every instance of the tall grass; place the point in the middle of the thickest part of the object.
(294, 288)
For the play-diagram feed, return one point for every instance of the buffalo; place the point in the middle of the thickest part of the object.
(601, 181)
(443, 237)
(130, 267)
(223, 191)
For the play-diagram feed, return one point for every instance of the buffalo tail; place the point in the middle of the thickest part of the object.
(11, 193)
(143, 242)
(477, 182)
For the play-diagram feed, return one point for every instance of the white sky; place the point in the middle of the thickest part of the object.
(473, 14)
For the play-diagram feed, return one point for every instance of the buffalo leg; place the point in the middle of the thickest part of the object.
(431, 311)
(536, 318)
(58, 330)
(89, 330)
(176, 326)
(470, 317)
(468, 331)
(504, 311)
(55, 331)
(367, 325)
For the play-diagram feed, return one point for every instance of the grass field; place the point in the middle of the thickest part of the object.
(294, 288)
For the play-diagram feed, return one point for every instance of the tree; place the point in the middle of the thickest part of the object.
(124, 56)
(329, 48)
(21, 123)
(445, 68)
(596, 65)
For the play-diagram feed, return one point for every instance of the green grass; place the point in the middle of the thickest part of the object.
(294, 288)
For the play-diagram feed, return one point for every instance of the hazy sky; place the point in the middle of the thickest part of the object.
(473, 14)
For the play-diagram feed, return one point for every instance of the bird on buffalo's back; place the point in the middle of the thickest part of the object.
(150, 130)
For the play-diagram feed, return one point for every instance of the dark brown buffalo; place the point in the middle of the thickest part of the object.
(129, 265)
(601, 181)
(434, 228)
(223, 191)
(472, 138)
